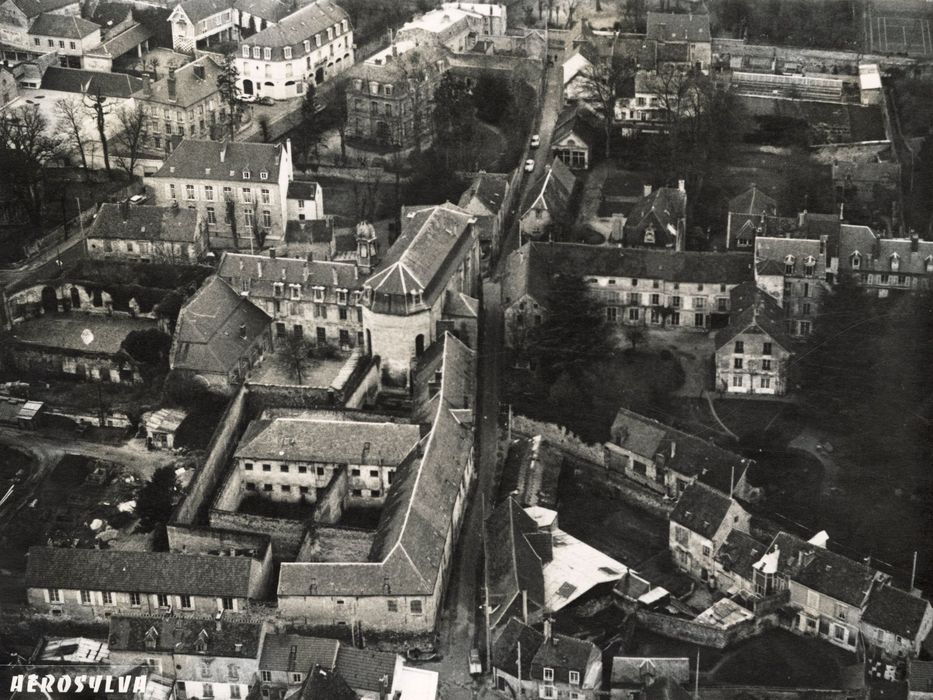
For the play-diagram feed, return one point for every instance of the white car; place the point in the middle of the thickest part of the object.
(247, 98)
(535, 141)
(138, 199)
(529, 166)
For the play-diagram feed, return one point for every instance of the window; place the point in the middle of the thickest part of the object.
(283, 468)
(266, 218)
(265, 676)
(415, 607)
(766, 382)
(574, 678)
(296, 678)
(722, 305)
(548, 675)
(37, 41)
(209, 193)
(226, 603)
(789, 265)
(354, 472)
(766, 365)
(706, 550)
(211, 217)
(634, 283)
(189, 191)
(134, 600)
(737, 364)
(766, 349)
(806, 309)
(675, 302)
(287, 51)
(186, 602)
(171, 190)
(318, 294)
(235, 691)
(806, 289)
(248, 216)
(267, 54)
(633, 314)
(286, 488)
(699, 303)
(267, 487)
(247, 194)
(107, 597)
(55, 595)
(162, 600)
(739, 347)
(265, 195)
(246, 52)
(655, 299)
(737, 380)
(267, 467)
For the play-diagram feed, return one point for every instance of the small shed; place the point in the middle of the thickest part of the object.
(29, 414)
(161, 425)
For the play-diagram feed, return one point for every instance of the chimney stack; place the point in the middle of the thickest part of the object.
(647, 192)
(673, 449)
(243, 331)
(914, 242)
(682, 185)
(547, 629)
(223, 151)
(172, 91)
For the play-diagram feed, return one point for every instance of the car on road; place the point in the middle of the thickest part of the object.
(420, 654)
(476, 665)
(529, 166)
(265, 100)
(247, 98)
(139, 199)
(535, 141)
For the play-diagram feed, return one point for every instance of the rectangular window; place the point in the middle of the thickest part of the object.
(675, 302)
(265, 676)
(55, 595)
(266, 218)
(107, 597)
(211, 217)
(699, 303)
(574, 678)
(226, 603)
(287, 51)
(189, 191)
(235, 691)
(246, 52)
(247, 194)
(266, 198)
(171, 190)
(283, 468)
(186, 602)
(415, 607)
(766, 365)
(135, 600)
(548, 674)
(267, 54)
(737, 380)
(85, 597)
(162, 600)
(392, 605)
(766, 382)
(766, 349)
(209, 193)
(737, 364)
(739, 347)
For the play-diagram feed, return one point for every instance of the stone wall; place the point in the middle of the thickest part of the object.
(363, 385)
(742, 692)
(332, 499)
(288, 396)
(286, 534)
(560, 437)
(192, 540)
(698, 633)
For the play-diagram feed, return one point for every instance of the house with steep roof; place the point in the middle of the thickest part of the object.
(371, 674)
(239, 189)
(545, 664)
(699, 524)
(547, 202)
(94, 583)
(753, 352)
(577, 137)
(684, 39)
(305, 200)
(885, 265)
(487, 199)
(405, 298)
(146, 233)
(323, 684)
(632, 675)
(667, 460)
(734, 562)
(70, 36)
(398, 585)
(744, 216)
(288, 659)
(658, 221)
(896, 622)
(310, 45)
(204, 656)
(514, 578)
(198, 24)
(219, 337)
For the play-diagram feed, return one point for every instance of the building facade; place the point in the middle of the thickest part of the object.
(146, 234)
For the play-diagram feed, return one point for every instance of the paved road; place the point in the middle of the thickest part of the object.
(68, 252)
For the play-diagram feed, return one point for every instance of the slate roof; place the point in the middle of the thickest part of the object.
(430, 246)
(415, 63)
(143, 572)
(562, 652)
(108, 14)
(295, 652)
(664, 26)
(177, 634)
(920, 676)
(90, 82)
(408, 545)
(739, 552)
(145, 222)
(62, 26)
(189, 89)
(321, 684)
(197, 10)
(579, 120)
(302, 189)
(513, 564)
(876, 253)
(32, 8)
(487, 189)
(125, 41)
(338, 442)
(209, 325)
(459, 305)
(701, 509)
(263, 272)
(692, 455)
(223, 160)
(530, 268)
(776, 250)
(505, 647)
(553, 189)
(663, 210)
(753, 201)
(364, 669)
(297, 27)
(895, 611)
(754, 310)
(634, 670)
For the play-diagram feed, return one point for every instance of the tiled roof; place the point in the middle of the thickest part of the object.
(777, 250)
(302, 189)
(753, 201)
(417, 64)
(295, 652)
(513, 565)
(637, 669)
(460, 305)
(920, 676)
(701, 509)
(664, 26)
(62, 26)
(32, 8)
(895, 611)
(189, 88)
(108, 14)
(666, 689)
(366, 669)
(262, 273)
(876, 253)
(126, 41)
(738, 552)
(90, 82)
(298, 27)
(64, 331)
(554, 189)
(224, 160)
(321, 684)
(143, 572)
(208, 335)
(179, 635)
(663, 210)
(683, 453)
(488, 189)
(145, 223)
(336, 442)
(196, 10)
(505, 647)
(579, 120)
(751, 309)
(562, 652)
(530, 268)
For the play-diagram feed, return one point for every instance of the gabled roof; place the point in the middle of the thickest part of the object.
(90, 82)
(124, 42)
(920, 676)
(552, 191)
(578, 120)
(753, 201)
(62, 26)
(487, 190)
(778, 250)
(33, 8)
(681, 452)
(297, 28)
(701, 509)
(181, 635)
(667, 26)
(189, 88)
(196, 10)
(895, 611)
(563, 652)
(224, 160)
(298, 653)
(328, 441)
(663, 210)
(144, 223)
(754, 311)
(143, 572)
(412, 63)
(211, 327)
(323, 684)
(739, 552)
(366, 669)
(513, 564)
(505, 648)
(631, 670)
(263, 272)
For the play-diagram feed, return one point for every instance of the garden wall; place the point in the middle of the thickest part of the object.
(695, 632)
(560, 437)
(288, 396)
(286, 534)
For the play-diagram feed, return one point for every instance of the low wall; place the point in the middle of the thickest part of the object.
(192, 540)
(560, 437)
(221, 447)
(289, 396)
(809, 60)
(363, 385)
(698, 633)
(286, 534)
(743, 692)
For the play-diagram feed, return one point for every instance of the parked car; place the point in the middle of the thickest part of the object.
(476, 665)
(139, 199)
(535, 141)
(420, 654)
(265, 100)
(529, 166)
(247, 98)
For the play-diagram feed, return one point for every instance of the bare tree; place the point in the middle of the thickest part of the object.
(297, 353)
(70, 127)
(602, 83)
(102, 107)
(25, 147)
(134, 129)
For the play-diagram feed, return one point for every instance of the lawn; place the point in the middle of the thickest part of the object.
(760, 423)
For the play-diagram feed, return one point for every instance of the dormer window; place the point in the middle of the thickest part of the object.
(367, 294)
(278, 289)
(263, 175)
(256, 52)
(245, 51)
(318, 294)
(287, 52)
(895, 262)
(649, 235)
(201, 642)
(246, 174)
(152, 638)
(295, 291)
(789, 261)
(267, 54)
(856, 260)
(415, 297)
(810, 265)
(357, 298)
(342, 295)
(307, 46)
(317, 40)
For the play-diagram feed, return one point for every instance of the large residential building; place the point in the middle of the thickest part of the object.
(896, 622)
(885, 265)
(70, 36)
(240, 190)
(753, 352)
(146, 233)
(745, 217)
(309, 46)
(657, 288)
(199, 24)
(682, 39)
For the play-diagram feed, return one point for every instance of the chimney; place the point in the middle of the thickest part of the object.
(219, 618)
(801, 218)
(288, 148)
(243, 331)
(394, 50)
(223, 151)
(272, 253)
(647, 192)
(842, 208)
(547, 629)
(914, 242)
(259, 269)
(682, 185)
(172, 92)
(673, 449)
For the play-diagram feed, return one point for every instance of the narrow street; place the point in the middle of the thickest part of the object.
(458, 631)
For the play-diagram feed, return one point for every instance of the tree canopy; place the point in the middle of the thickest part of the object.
(156, 498)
